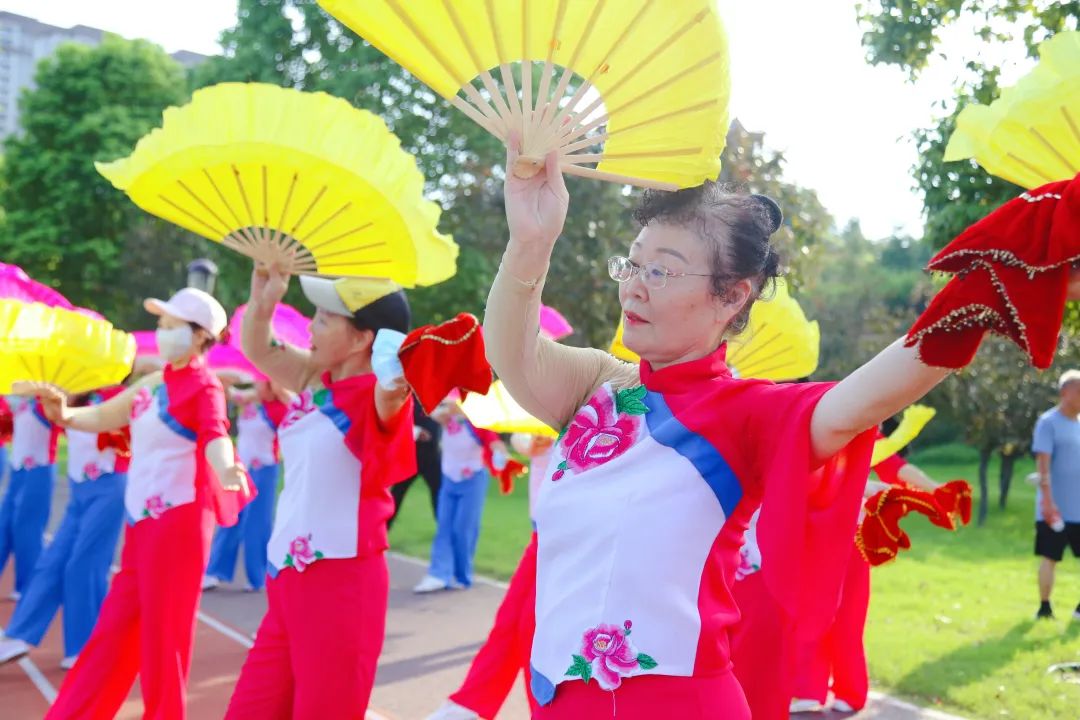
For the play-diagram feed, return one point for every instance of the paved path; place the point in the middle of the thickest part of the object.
(430, 641)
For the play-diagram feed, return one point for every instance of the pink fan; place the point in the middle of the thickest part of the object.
(92, 314)
(553, 325)
(15, 284)
(228, 359)
(289, 325)
(145, 343)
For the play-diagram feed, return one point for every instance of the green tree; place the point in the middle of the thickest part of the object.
(906, 33)
(64, 222)
(747, 163)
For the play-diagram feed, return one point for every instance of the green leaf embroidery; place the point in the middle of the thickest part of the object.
(562, 466)
(288, 560)
(320, 397)
(631, 401)
(562, 434)
(146, 513)
(645, 662)
(318, 555)
(581, 668)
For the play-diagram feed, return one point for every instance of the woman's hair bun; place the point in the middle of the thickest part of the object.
(772, 208)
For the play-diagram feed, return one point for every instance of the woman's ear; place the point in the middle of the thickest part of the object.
(362, 339)
(738, 295)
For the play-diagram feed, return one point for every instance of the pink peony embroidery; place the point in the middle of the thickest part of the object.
(91, 471)
(29, 463)
(249, 412)
(300, 554)
(453, 426)
(254, 465)
(746, 566)
(608, 655)
(602, 430)
(301, 406)
(141, 402)
(155, 507)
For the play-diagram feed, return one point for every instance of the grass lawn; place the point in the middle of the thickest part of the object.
(951, 622)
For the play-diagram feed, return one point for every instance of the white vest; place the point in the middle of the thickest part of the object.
(319, 507)
(85, 461)
(31, 437)
(163, 464)
(622, 549)
(462, 453)
(255, 437)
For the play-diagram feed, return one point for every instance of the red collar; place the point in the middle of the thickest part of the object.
(685, 376)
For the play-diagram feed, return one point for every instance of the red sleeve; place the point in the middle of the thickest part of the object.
(6, 421)
(211, 412)
(888, 470)
(810, 506)
(386, 449)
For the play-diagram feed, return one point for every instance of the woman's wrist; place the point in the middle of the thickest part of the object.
(526, 263)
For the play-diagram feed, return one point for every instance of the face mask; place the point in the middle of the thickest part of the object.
(172, 344)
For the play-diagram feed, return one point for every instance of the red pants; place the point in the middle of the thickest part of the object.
(315, 654)
(763, 650)
(508, 647)
(147, 622)
(840, 653)
(648, 697)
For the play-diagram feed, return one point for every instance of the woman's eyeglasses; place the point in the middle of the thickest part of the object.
(653, 274)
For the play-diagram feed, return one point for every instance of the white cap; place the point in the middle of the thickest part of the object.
(192, 305)
(322, 294)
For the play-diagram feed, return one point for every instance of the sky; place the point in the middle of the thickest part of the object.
(799, 75)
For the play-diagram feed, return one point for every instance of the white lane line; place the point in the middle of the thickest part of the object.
(225, 630)
(421, 562)
(921, 712)
(40, 681)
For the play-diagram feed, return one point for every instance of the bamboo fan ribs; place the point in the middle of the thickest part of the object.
(1030, 135)
(302, 180)
(638, 88)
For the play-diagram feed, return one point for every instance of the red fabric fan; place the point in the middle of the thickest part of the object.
(879, 537)
(440, 358)
(7, 421)
(954, 497)
(1011, 277)
(118, 440)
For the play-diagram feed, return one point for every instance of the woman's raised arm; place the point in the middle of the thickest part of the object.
(550, 381)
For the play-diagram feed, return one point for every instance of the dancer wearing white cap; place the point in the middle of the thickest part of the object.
(183, 470)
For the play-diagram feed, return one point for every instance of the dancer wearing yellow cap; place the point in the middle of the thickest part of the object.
(346, 438)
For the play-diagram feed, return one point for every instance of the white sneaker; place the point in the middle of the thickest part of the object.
(455, 585)
(430, 584)
(842, 706)
(450, 710)
(15, 596)
(12, 650)
(799, 705)
(68, 662)
(209, 582)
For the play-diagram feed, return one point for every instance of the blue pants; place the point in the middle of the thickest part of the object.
(460, 507)
(74, 569)
(253, 529)
(24, 513)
